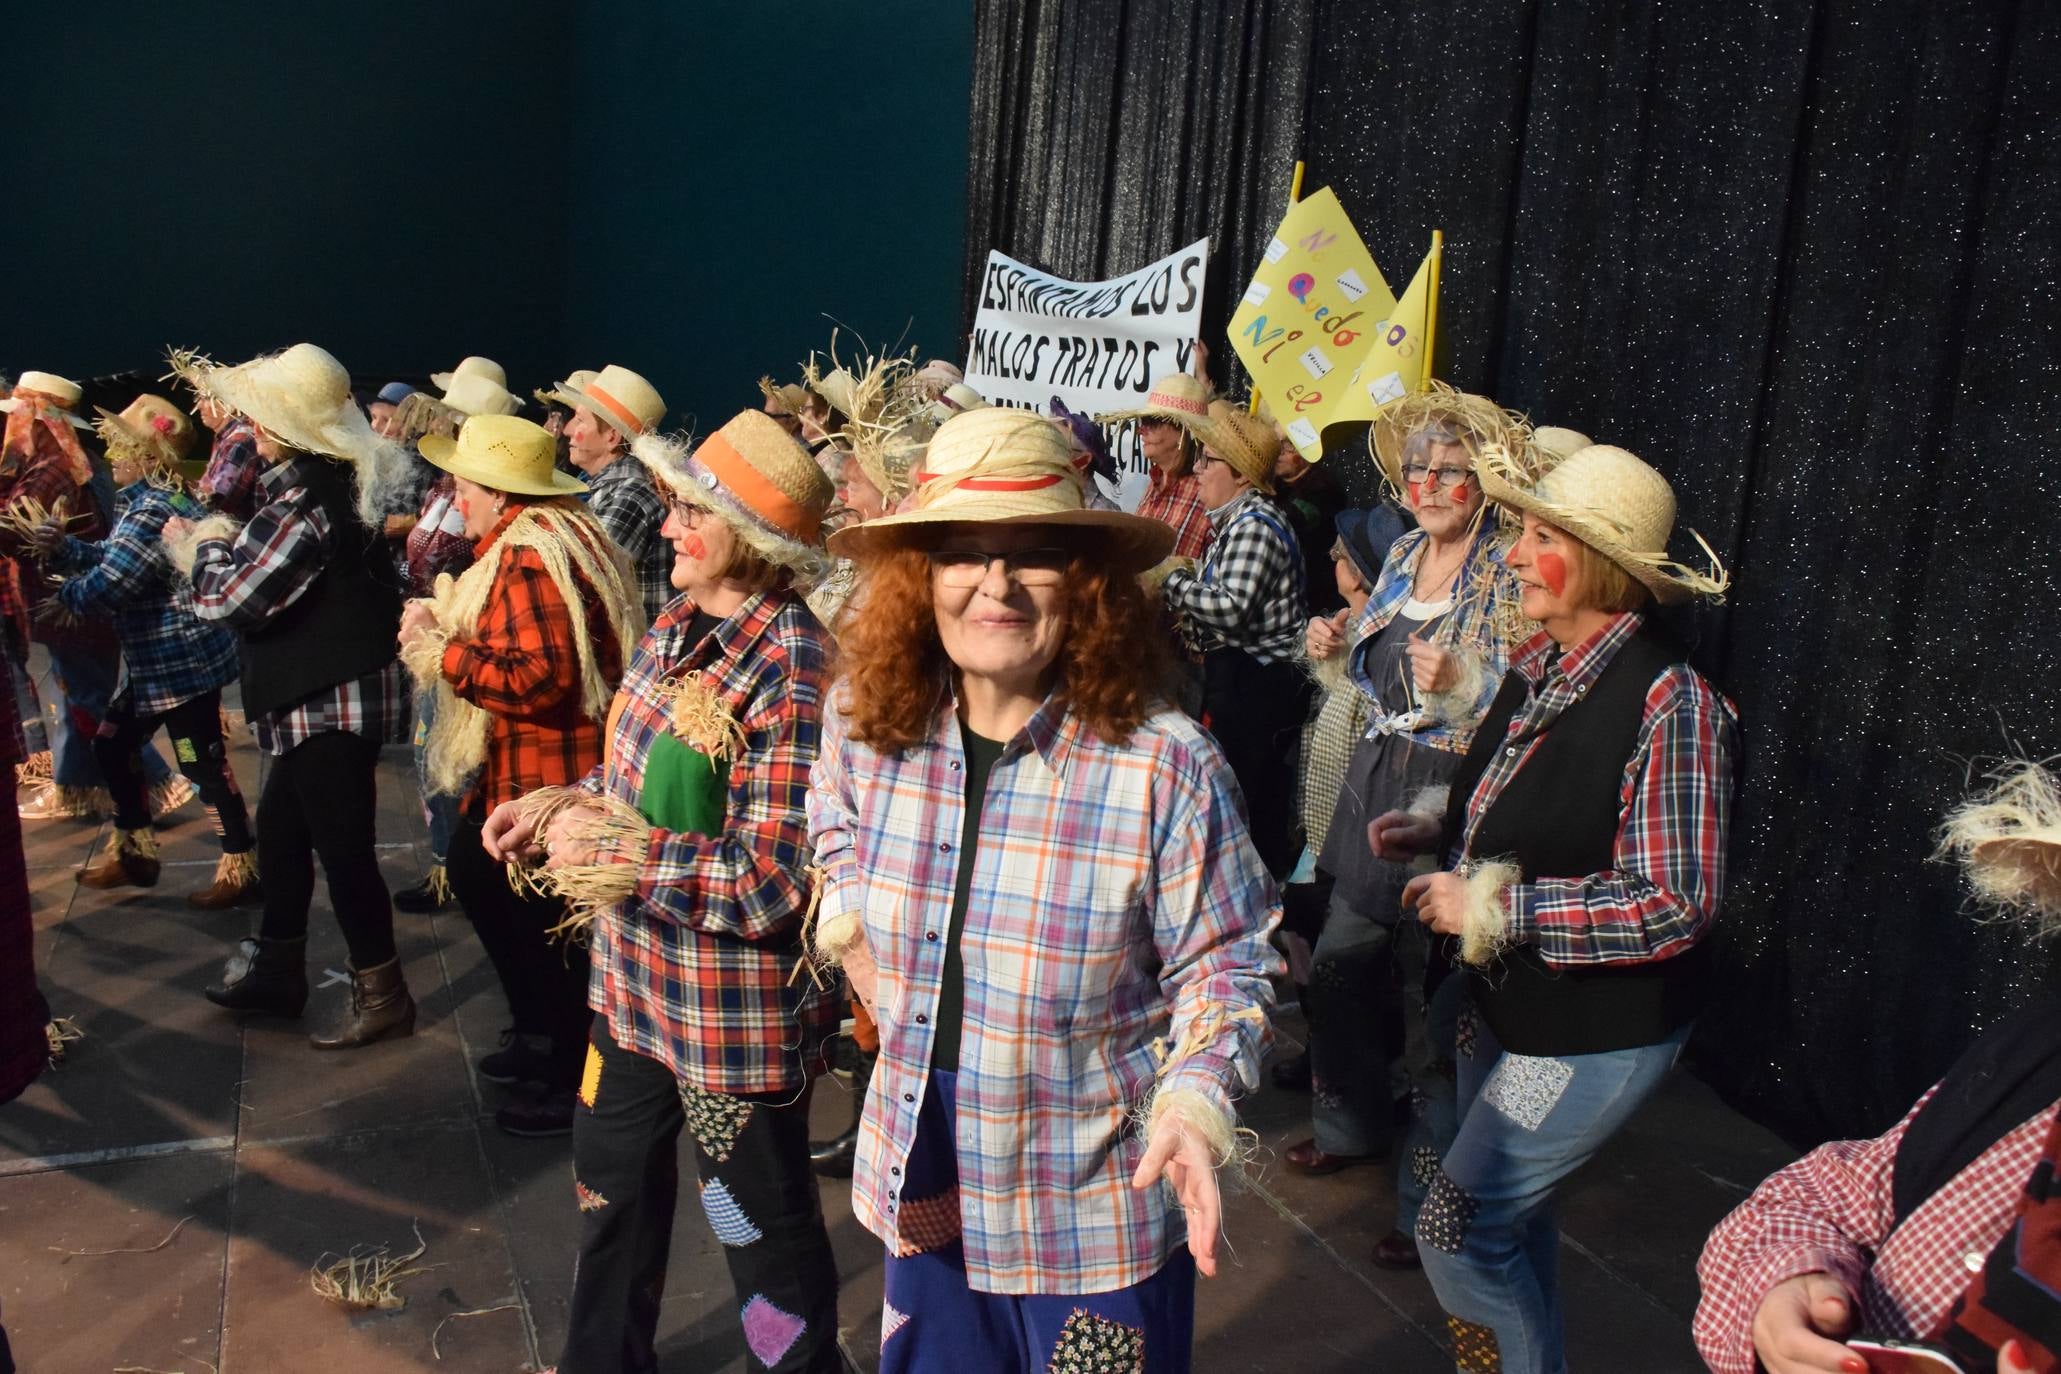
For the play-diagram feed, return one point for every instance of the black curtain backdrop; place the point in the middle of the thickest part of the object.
(1803, 258)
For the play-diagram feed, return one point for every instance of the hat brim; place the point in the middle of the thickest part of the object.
(681, 477)
(443, 453)
(8, 405)
(2032, 861)
(1182, 418)
(1584, 525)
(158, 444)
(1134, 541)
(351, 438)
(441, 380)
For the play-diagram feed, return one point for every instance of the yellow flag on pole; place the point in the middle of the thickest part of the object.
(1400, 360)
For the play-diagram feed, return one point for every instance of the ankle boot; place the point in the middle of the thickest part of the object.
(131, 862)
(833, 1158)
(381, 1009)
(236, 882)
(264, 975)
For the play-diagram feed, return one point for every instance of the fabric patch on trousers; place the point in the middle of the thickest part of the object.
(1464, 1026)
(891, 1321)
(183, 750)
(1447, 1212)
(1424, 1164)
(1089, 1344)
(1474, 1348)
(769, 1331)
(726, 1218)
(589, 1200)
(590, 1077)
(716, 1119)
(929, 1223)
(1525, 1087)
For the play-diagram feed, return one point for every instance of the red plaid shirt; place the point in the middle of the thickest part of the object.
(229, 483)
(1177, 501)
(1832, 1212)
(698, 969)
(521, 667)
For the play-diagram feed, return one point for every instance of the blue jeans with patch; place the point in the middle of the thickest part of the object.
(1486, 1230)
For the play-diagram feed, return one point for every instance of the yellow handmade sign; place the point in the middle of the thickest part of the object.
(1320, 331)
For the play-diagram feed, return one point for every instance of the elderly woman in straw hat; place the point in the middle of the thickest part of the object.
(175, 664)
(617, 407)
(1822, 1250)
(519, 657)
(1584, 859)
(686, 856)
(1167, 423)
(1037, 873)
(313, 595)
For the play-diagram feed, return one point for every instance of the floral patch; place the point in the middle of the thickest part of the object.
(1474, 1348)
(1447, 1212)
(1089, 1344)
(1525, 1087)
(589, 1200)
(716, 1119)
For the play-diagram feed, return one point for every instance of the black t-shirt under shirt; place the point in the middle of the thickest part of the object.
(981, 756)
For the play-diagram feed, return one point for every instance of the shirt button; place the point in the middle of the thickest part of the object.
(908, 1097)
(1511, 752)
(955, 765)
(1974, 1260)
(921, 1019)
(896, 1171)
(944, 846)
(930, 935)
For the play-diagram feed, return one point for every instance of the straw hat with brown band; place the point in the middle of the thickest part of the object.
(152, 432)
(1004, 466)
(1178, 396)
(757, 477)
(1475, 421)
(1611, 501)
(1243, 440)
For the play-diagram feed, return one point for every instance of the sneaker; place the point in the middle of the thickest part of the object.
(53, 802)
(549, 1113)
(169, 795)
(521, 1059)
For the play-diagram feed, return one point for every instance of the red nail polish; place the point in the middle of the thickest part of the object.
(1854, 1364)
(2014, 1355)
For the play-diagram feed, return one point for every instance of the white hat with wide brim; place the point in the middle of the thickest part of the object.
(62, 392)
(472, 367)
(301, 396)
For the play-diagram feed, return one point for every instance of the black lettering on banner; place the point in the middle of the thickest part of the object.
(1191, 290)
(1184, 354)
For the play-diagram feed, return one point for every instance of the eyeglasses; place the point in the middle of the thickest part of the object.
(687, 513)
(1026, 567)
(1448, 477)
(1203, 460)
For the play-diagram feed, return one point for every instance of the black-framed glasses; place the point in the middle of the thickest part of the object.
(1026, 567)
(1448, 476)
(687, 513)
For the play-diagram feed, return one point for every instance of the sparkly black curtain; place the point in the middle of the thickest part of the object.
(1803, 258)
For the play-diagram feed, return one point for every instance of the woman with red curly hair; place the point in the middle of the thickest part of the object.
(1036, 873)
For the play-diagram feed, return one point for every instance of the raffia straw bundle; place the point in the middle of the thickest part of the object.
(364, 1280)
(2008, 840)
(610, 827)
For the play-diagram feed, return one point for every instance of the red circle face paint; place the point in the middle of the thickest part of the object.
(693, 547)
(1553, 572)
(1460, 494)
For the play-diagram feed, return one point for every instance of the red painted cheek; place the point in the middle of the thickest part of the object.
(1416, 493)
(694, 548)
(465, 510)
(1553, 570)
(1460, 494)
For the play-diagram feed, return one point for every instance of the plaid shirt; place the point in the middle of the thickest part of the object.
(47, 476)
(438, 543)
(522, 667)
(168, 654)
(698, 969)
(1667, 873)
(230, 482)
(627, 502)
(1175, 501)
(1117, 907)
(1834, 1212)
(1468, 631)
(272, 562)
(1248, 593)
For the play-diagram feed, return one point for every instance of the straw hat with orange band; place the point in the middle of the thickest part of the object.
(758, 478)
(624, 401)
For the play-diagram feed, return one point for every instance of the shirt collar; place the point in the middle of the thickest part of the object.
(1539, 658)
(488, 540)
(728, 640)
(1223, 514)
(281, 477)
(1051, 731)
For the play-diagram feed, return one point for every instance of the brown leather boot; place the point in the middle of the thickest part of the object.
(381, 1009)
(236, 881)
(130, 862)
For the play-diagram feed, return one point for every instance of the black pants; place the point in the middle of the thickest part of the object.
(1255, 711)
(751, 1153)
(321, 798)
(544, 979)
(196, 730)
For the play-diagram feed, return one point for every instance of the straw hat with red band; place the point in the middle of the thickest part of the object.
(753, 474)
(1178, 396)
(1004, 466)
(624, 401)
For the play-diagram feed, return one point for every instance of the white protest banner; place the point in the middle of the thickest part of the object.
(1095, 345)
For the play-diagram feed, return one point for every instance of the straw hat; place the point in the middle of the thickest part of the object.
(1611, 501)
(567, 392)
(788, 398)
(472, 367)
(470, 393)
(840, 388)
(956, 399)
(998, 465)
(2009, 839)
(62, 393)
(622, 400)
(302, 396)
(152, 428)
(1557, 443)
(757, 477)
(1178, 396)
(1245, 441)
(504, 452)
(1475, 420)
(940, 372)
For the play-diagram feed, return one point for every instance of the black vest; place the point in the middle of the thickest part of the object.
(343, 626)
(1558, 818)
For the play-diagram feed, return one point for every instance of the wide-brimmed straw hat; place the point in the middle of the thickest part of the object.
(301, 396)
(757, 477)
(1556, 442)
(151, 429)
(1178, 396)
(61, 392)
(567, 392)
(1613, 502)
(840, 389)
(472, 367)
(469, 393)
(1002, 466)
(623, 400)
(956, 399)
(1476, 421)
(1242, 439)
(788, 398)
(504, 452)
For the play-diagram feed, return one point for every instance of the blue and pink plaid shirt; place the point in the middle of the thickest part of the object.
(1117, 911)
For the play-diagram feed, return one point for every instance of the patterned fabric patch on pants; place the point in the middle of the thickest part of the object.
(589, 1200)
(1089, 1344)
(726, 1218)
(184, 751)
(1474, 1348)
(1464, 1026)
(769, 1331)
(590, 1077)
(1447, 1212)
(1424, 1164)
(929, 1223)
(1524, 1087)
(716, 1120)
(891, 1321)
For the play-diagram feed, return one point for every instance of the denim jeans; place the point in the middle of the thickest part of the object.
(1487, 1231)
(1434, 1104)
(440, 811)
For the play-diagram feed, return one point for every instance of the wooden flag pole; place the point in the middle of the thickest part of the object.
(1438, 267)
(1294, 195)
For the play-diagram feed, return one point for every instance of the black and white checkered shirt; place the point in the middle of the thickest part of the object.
(624, 499)
(1247, 594)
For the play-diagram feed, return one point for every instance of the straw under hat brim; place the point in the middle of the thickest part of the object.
(2033, 860)
(1588, 527)
(443, 453)
(151, 440)
(1134, 541)
(9, 405)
